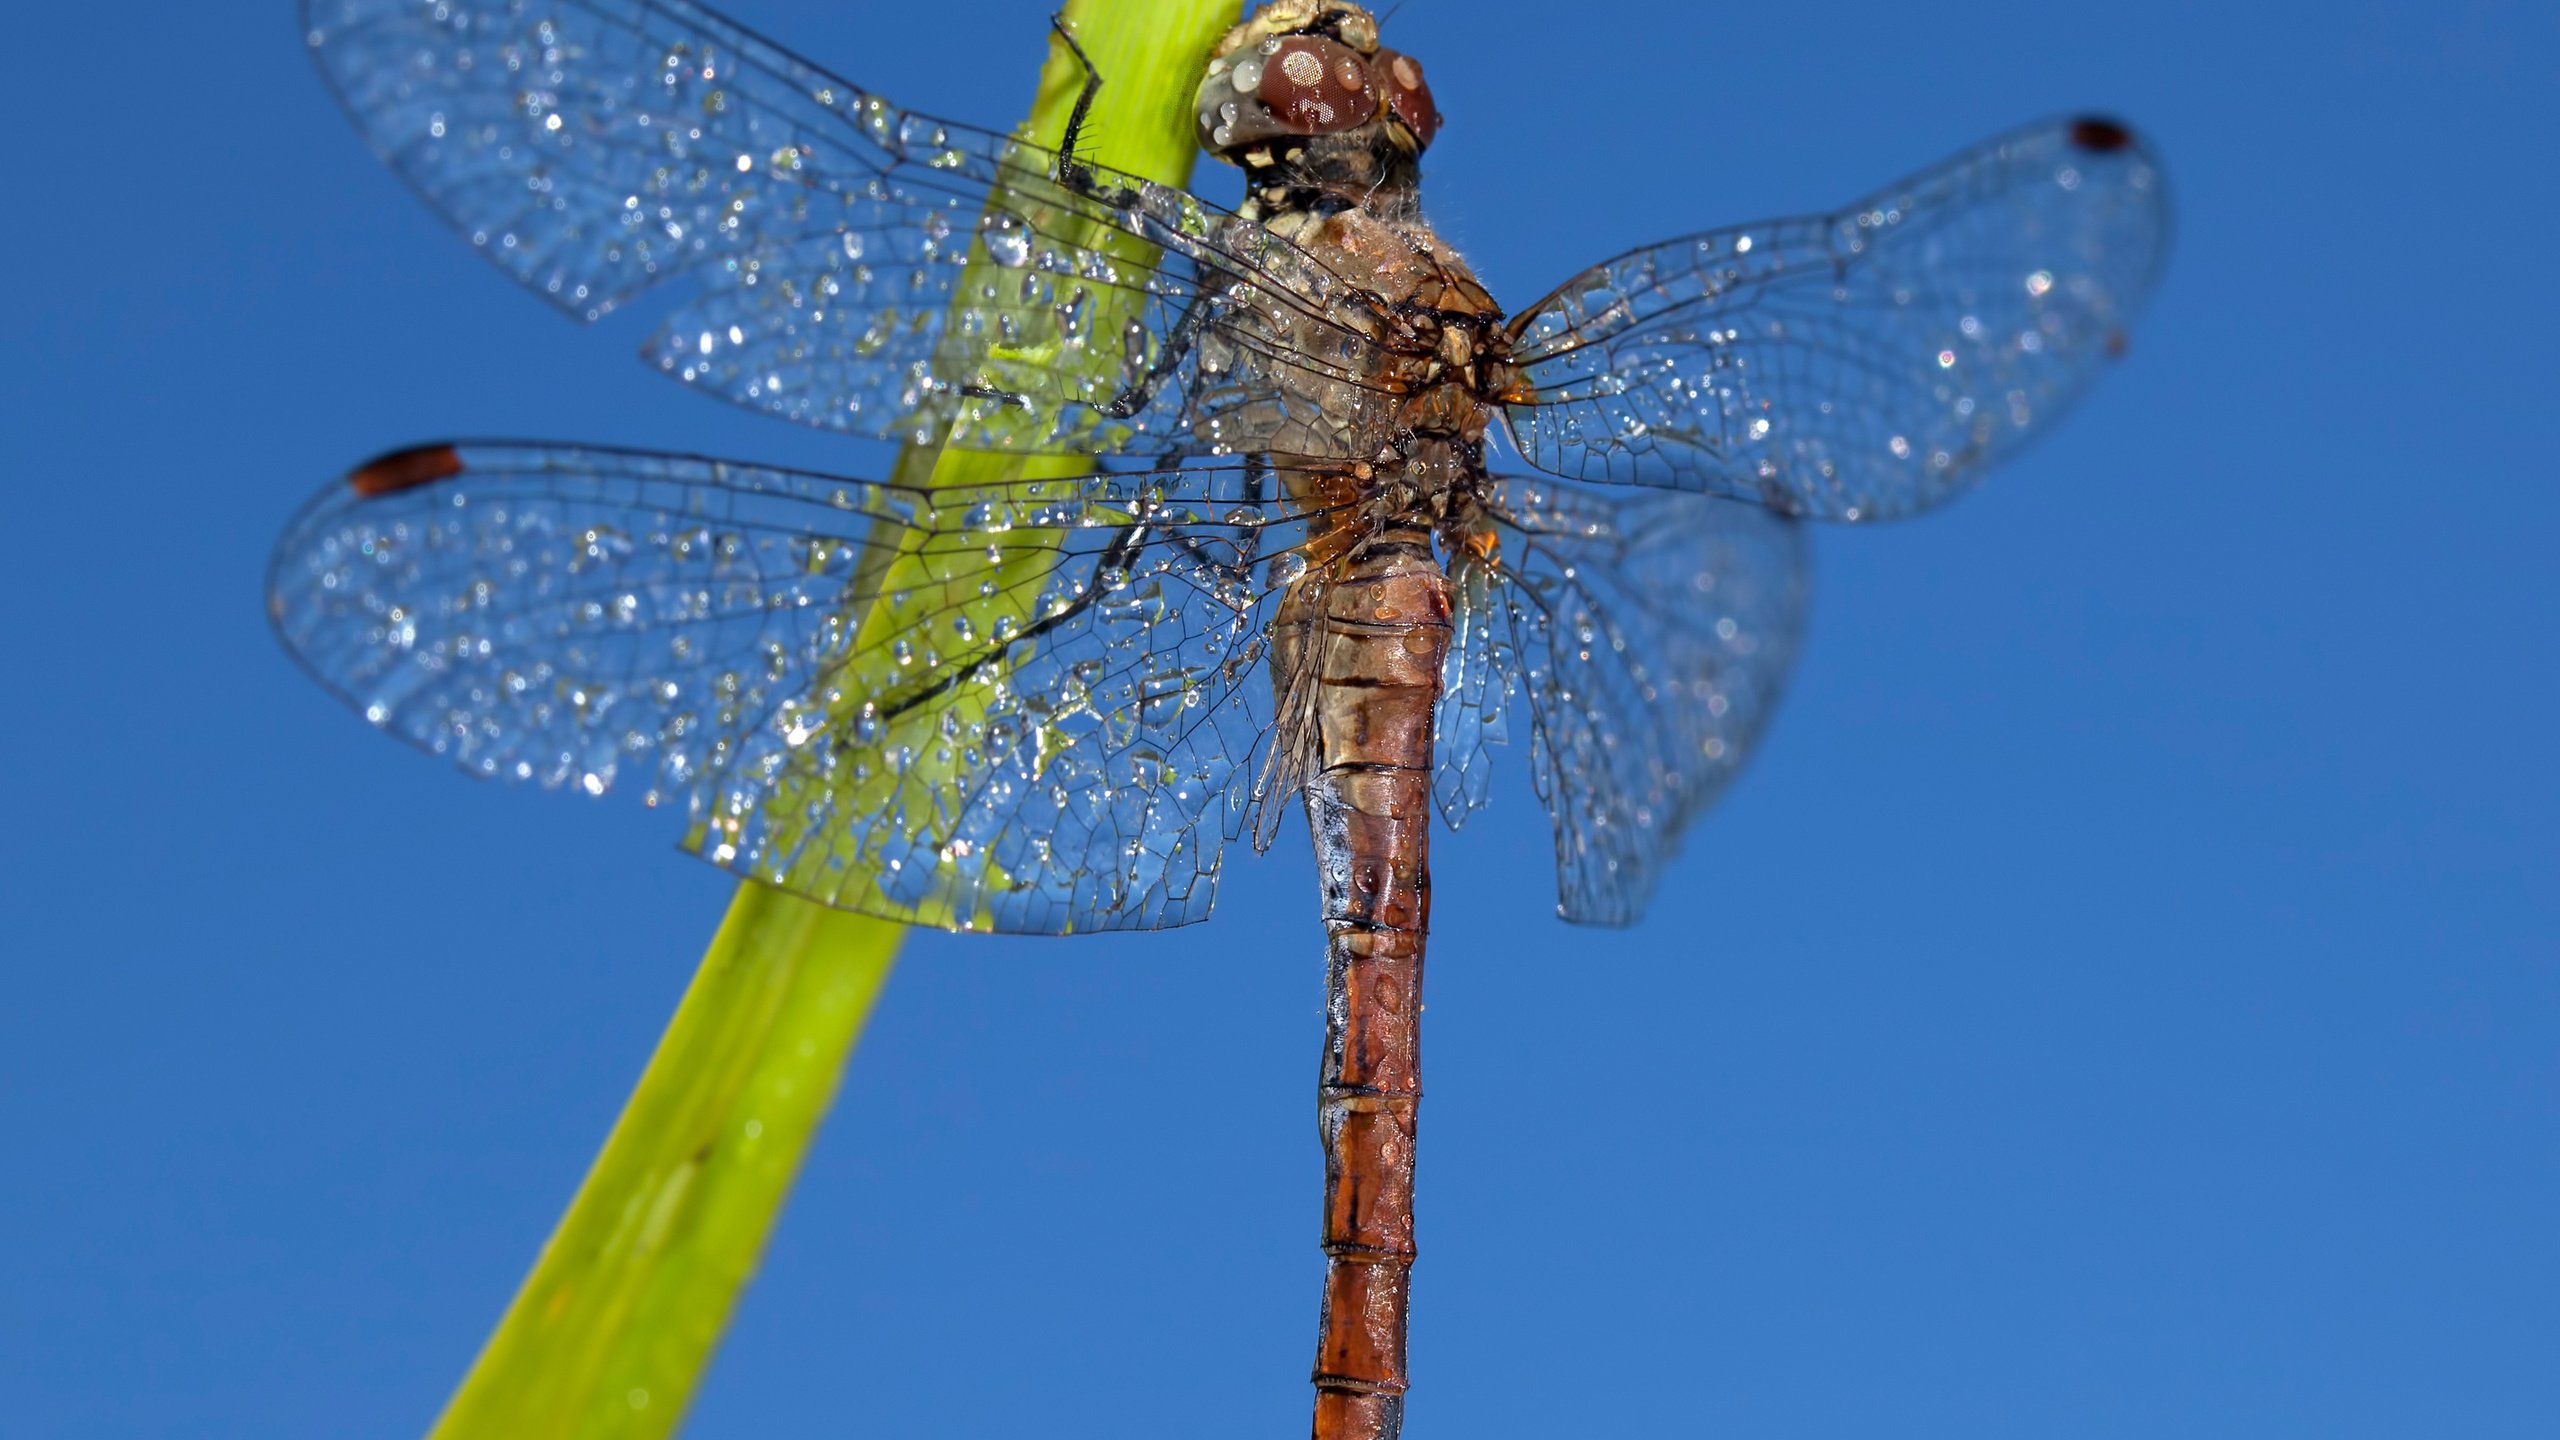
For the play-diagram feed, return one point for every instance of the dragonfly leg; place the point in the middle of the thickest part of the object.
(1169, 358)
(1120, 551)
(976, 390)
(1177, 346)
(1075, 174)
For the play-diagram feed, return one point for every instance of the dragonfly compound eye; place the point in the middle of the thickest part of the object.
(1287, 85)
(1408, 94)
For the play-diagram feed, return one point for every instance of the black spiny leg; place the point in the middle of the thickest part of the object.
(1073, 173)
(1177, 348)
(1079, 177)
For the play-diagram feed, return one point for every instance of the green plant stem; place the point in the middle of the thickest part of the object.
(610, 1334)
(621, 1313)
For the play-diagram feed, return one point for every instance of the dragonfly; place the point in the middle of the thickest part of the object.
(1299, 516)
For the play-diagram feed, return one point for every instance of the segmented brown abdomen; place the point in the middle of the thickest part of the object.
(1375, 647)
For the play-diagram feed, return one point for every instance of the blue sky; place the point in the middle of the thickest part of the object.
(2122, 1001)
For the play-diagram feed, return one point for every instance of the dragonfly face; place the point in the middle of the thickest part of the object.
(1295, 72)
(1302, 570)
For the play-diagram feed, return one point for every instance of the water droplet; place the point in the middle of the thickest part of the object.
(1007, 237)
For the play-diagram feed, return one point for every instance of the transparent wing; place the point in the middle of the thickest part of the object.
(1867, 363)
(1027, 707)
(1653, 632)
(1477, 683)
(854, 265)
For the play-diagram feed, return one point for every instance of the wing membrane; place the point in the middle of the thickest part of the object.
(595, 149)
(1478, 682)
(1031, 706)
(1653, 632)
(1862, 364)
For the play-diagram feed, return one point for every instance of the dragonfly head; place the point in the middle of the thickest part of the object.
(1302, 68)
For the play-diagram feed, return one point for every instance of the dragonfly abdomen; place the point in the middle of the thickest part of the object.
(1377, 648)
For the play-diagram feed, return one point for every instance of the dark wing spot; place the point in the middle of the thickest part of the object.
(2099, 134)
(405, 469)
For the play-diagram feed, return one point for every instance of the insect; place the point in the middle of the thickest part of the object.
(1033, 701)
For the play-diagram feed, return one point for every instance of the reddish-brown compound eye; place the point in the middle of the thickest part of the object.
(1315, 86)
(1408, 94)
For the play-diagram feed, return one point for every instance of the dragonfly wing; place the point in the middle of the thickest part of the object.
(572, 618)
(1868, 363)
(1074, 764)
(976, 329)
(1025, 707)
(595, 149)
(1654, 631)
(1477, 683)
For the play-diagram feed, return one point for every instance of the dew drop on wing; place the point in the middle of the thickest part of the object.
(1007, 237)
